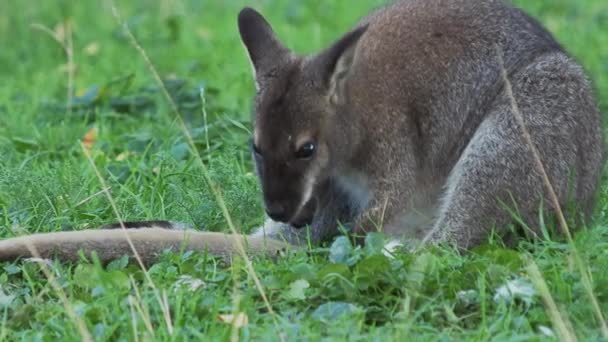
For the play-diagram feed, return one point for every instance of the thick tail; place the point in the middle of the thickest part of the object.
(110, 244)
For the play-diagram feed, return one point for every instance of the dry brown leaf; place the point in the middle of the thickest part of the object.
(88, 140)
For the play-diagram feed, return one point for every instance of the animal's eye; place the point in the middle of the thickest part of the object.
(306, 151)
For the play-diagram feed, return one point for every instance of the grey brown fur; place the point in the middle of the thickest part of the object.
(402, 125)
(413, 130)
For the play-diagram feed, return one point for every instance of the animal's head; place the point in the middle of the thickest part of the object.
(294, 142)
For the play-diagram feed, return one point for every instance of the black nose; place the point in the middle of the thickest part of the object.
(276, 211)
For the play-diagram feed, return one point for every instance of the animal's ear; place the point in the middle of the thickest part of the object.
(336, 61)
(260, 40)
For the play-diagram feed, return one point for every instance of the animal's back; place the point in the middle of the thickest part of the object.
(415, 129)
(437, 61)
(430, 68)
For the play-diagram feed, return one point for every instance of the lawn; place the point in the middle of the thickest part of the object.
(120, 115)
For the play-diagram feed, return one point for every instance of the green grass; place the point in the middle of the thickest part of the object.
(46, 183)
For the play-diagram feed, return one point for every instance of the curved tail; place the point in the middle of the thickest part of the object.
(110, 244)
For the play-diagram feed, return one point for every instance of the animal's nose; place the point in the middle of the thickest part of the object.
(276, 211)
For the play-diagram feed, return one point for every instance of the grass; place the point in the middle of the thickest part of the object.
(47, 184)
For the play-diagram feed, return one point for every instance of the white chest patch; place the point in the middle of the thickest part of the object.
(356, 186)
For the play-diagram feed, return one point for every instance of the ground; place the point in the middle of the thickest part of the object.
(121, 118)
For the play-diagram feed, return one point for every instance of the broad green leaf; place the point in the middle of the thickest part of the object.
(423, 265)
(340, 250)
(297, 289)
(374, 243)
(119, 264)
(371, 270)
(332, 311)
(85, 277)
(334, 269)
(12, 269)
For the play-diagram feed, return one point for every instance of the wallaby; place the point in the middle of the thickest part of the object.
(403, 125)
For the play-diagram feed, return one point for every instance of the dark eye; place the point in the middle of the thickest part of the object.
(306, 151)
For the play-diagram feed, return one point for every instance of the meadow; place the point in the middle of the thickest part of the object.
(74, 85)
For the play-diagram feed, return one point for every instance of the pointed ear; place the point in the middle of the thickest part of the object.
(258, 37)
(335, 63)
